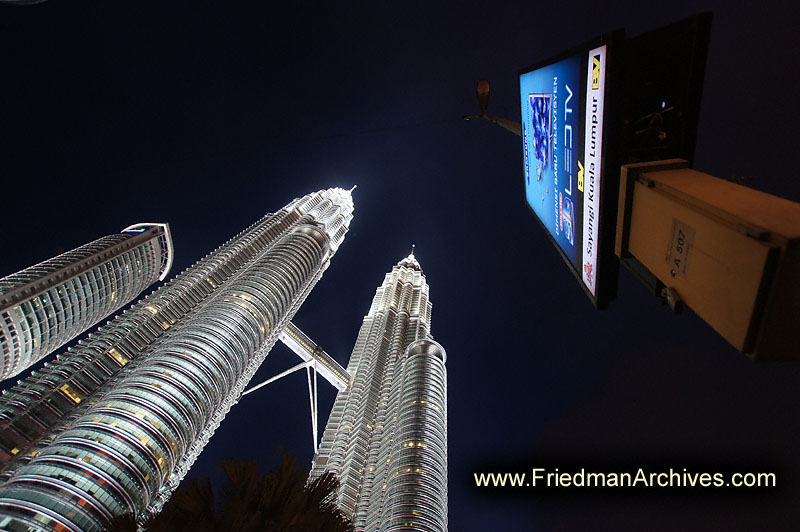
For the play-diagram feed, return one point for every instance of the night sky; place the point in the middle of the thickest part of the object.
(207, 115)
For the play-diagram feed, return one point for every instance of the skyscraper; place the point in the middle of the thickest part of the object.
(47, 305)
(386, 437)
(112, 427)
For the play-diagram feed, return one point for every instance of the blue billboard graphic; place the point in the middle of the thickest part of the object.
(540, 121)
(552, 112)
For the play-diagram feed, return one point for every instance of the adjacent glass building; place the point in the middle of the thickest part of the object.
(112, 426)
(386, 437)
(47, 305)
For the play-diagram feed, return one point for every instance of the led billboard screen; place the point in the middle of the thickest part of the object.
(564, 117)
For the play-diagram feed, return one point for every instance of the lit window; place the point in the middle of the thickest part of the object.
(71, 393)
(118, 356)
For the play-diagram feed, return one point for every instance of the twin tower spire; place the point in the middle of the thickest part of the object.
(111, 426)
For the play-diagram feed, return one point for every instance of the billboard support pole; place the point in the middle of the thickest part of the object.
(509, 125)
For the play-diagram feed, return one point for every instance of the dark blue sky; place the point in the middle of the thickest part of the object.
(207, 115)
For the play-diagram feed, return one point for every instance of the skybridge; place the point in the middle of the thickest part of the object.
(316, 362)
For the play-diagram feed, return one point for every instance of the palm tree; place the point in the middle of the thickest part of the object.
(279, 500)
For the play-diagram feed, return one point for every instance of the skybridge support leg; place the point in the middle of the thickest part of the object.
(278, 376)
(312, 397)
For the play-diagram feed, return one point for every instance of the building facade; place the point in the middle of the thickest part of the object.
(386, 438)
(112, 426)
(47, 305)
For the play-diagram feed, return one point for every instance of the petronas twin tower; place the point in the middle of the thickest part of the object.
(112, 426)
(386, 437)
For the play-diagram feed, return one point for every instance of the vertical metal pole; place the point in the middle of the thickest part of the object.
(316, 413)
(311, 403)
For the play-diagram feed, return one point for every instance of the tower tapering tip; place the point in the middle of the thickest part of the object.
(410, 261)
